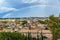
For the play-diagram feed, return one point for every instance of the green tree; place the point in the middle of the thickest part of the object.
(53, 24)
(3, 21)
(17, 21)
(29, 36)
(11, 36)
(40, 21)
(24, 22)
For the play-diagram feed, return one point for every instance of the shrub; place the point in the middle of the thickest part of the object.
(11, 36)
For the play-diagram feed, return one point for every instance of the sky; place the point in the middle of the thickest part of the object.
(29, 8)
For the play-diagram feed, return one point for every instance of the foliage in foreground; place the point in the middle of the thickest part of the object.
(54, 25)
(11, 36)
(16, 36)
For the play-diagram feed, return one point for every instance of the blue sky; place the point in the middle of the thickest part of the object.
(29, 8)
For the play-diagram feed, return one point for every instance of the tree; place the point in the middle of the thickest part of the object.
(3, 21)
(40, 21)
(24, 22)
(29, 36)
(11, 36)
(17, 21)
(53, 24)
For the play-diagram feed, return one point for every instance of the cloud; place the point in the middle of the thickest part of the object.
(43, 0)
(32, 1)
(28, 7)
(7, 15)
(2, 1)
(6, 9)
(28, 1)
(26, 12)
(34, 11)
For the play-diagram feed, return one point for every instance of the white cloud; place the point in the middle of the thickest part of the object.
(6, 9)
(32, 1)
(37, 5)
(28, 1)
(43, 0)
(2, 1)
(5, 16)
